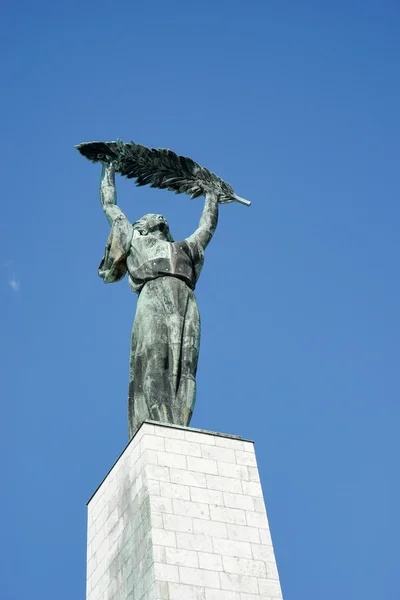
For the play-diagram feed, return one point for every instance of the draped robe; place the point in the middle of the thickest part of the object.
(166, 330)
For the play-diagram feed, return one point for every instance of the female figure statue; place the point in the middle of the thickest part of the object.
(166, 330)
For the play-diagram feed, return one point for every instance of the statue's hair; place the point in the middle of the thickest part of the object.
(139, 227)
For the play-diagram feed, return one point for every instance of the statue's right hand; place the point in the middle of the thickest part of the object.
(108, 161)
(104, 158)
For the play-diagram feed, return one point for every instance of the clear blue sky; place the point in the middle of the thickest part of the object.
(296, 104)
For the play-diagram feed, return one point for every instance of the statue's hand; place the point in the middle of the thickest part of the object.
(107, 160)
(212, 194)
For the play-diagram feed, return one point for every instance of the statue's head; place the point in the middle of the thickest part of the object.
(153, 225)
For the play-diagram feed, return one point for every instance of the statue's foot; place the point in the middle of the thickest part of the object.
(187, 415)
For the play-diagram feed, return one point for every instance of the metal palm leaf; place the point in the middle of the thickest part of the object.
(160, 168)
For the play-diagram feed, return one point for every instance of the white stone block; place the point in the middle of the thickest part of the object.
(181, 516)
(164, 572)
(157, 520)
(192, 541)
(265, 537)
(152, 442)
(178, 523)
(269, 587)
(217, 453)
(163, 537)
(181, 557)
(212, 562)
(171, 459)
(157, 473)
(97, 540)
(272, 570)
(161, 504)
(232, 548)
(201, 438)
(226, 442)
(244, 566)
(238, 501)
(259, 505)
(191, 509)
(159, 553)
(263, 552)
(91, 564)
(256, 519)
(174, 490)
(149, 457)
(224, 484)
(253, 474)
(202, 465)
(188, 478)
(245, 458)
(239, 583)
(232, 470)
(206, 496)
(228, 515)
(184, 592)
(200, 577)
(183, 447)
(222, 595)
(145, 428)
(149, 595)
(153, 487)
(252, 488)
(243, 533)
(170, 432)
(210, 528)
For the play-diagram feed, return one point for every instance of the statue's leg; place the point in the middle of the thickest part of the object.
(152, 388)
(164, 354)
(186, 393)
(137, 406)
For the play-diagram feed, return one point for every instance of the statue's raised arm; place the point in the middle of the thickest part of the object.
(113, 266)
(208, 222)
(108, 193)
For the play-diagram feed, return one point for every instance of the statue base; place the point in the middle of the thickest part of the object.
(181, 516)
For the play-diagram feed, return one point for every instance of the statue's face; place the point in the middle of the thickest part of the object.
(156, 225)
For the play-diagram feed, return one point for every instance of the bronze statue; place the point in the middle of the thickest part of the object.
(163, 272)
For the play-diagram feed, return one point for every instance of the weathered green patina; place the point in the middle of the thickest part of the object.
(164, 273)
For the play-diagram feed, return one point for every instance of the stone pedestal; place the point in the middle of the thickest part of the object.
(181, 516)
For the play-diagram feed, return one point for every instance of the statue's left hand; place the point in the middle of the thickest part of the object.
(107, 160)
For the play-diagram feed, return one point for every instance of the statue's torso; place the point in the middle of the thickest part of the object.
(150, 258)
